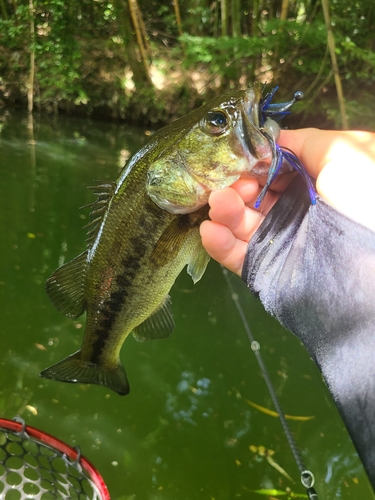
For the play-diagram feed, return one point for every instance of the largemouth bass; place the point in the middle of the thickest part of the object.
(145, 229)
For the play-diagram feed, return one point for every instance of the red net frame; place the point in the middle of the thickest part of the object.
(17, 426)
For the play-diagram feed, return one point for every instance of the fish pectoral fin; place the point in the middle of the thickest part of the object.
(159, 325)
(75, 370)
(65, 287)
(198, 263)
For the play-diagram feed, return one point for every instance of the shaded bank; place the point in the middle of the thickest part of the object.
(150, 62)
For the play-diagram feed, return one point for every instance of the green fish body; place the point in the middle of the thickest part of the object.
(145, 229)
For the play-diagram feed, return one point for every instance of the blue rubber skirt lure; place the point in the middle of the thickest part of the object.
(276, 111)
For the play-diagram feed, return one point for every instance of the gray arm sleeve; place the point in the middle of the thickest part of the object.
(314, 270)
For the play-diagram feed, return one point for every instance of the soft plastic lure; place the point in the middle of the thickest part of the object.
(276, 111)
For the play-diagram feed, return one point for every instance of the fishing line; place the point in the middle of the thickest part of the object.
(307, 477)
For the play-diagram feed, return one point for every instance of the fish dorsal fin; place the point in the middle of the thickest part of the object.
(159, 325)
(104, 191)
(65, 287)
(198, 263)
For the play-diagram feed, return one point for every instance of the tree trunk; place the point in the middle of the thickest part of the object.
(236, 18)
(4, 11)
(134, 13)
(254, 19)
(30, 89)
(284, 10)
(224, 17)
(139, 76)
(335, 68)
(178, 16)
(142, 27)
(276, 53)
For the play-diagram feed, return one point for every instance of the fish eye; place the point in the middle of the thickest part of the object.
(216, 122)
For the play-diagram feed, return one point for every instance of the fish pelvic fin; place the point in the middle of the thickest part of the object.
(74, 369)
(198, 262)
(65, 287)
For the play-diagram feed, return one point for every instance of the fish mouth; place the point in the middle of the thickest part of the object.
(251, 105)
(254, 140)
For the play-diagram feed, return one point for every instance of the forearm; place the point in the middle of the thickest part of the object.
(314, 270)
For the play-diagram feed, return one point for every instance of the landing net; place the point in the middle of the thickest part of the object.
(34, 464)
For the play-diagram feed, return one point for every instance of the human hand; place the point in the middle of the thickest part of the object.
(343, 164)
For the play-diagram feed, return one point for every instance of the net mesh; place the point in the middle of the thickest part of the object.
(30, 468)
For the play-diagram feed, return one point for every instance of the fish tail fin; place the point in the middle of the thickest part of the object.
(74, 369)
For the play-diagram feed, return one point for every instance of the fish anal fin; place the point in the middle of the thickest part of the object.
(75, 370)
(198, 263)
(104, 191)
(65, 287)
(159, 325)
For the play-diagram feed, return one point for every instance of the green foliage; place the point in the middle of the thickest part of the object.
(220, 54)
(58, 57)
(85, 52)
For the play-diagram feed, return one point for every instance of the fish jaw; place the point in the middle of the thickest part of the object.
(251, 141)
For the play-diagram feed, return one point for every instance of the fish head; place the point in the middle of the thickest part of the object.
(217, 144)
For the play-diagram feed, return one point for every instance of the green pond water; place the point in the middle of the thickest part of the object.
(185, 430)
